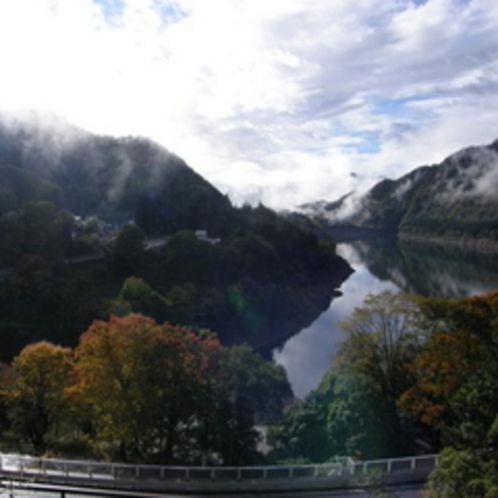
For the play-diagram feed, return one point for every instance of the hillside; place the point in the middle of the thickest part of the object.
(116, 179)
(454, 201)
(92, 226)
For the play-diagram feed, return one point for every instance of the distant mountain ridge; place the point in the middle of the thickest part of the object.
(456, 200)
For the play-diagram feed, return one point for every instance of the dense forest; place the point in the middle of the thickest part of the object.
(414, 375)
(92, 226)
(138, 391)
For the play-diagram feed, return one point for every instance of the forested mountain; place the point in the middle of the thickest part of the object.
(453, 200)
(117, 179)
(77, 212)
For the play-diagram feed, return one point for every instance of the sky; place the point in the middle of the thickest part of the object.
(274, 101)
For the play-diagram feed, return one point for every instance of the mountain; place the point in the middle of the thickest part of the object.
(92, 226)
(454, 201)
(116, 179)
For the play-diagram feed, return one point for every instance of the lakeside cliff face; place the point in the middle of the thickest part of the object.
(453, 201)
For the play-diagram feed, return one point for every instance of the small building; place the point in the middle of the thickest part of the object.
(204, 237)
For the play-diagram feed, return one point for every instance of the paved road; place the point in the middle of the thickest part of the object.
(12, 490)
(150, 244)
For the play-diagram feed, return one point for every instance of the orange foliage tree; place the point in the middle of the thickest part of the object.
(455, 350)
(140, 382)
(439, 370)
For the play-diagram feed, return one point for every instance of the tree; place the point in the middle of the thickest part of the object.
(463, 474)
(345, 415)
(247, 390)
(141, 381)
(128, 250)
(457, 392)
(355, 409)
(436, 378)
(462, 337)
(361, 421)
(144, 299)
(382, 336)
(302, 435)
(36, 395)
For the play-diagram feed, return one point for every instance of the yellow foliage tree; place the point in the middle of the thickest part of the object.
(37, 391)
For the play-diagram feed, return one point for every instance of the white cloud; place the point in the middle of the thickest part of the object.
(279, 101)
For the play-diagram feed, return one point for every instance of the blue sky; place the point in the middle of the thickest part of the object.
(278, 101)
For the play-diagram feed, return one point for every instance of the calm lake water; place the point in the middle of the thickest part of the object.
(381, 265)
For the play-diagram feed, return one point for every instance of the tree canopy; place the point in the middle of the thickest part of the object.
(145, 392)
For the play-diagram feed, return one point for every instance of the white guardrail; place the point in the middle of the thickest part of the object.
(26, 467)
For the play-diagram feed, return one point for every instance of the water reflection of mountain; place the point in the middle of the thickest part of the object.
(425, 269)
(430, 270)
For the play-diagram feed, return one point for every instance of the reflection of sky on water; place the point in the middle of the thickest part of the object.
(426, 270)
(308, 355)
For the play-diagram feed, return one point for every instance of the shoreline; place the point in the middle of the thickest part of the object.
(476, 245)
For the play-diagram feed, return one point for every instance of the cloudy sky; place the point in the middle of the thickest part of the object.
(284, 101)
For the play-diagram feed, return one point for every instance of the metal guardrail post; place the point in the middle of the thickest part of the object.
(291, 472)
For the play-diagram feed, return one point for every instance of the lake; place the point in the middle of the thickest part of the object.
(424, 269)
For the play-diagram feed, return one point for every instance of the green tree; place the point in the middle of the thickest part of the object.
(248, 390)
(355, 409)
(144, 299)
(302, 435)
(128, 250)
(384, 336)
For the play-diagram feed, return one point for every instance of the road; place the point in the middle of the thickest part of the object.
(150, 244)
(16, 490)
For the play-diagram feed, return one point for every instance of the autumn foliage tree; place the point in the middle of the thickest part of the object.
(144, 392)
(138, 377)
(37, 392)
(412, 374)
(456, 350)
(439, 371)
(456, 392)
(166, 394)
